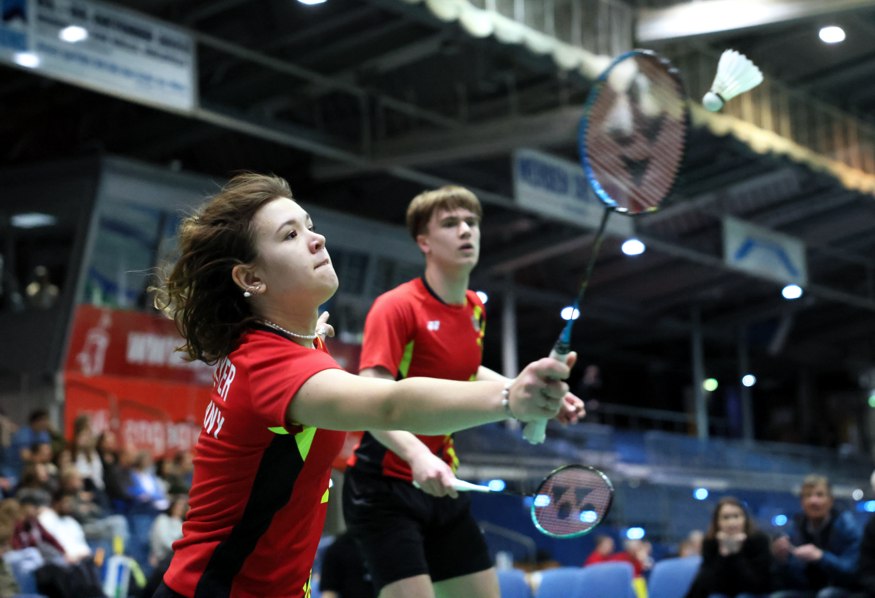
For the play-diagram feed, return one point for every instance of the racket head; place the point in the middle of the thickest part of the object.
(633, 132)
(571, 501)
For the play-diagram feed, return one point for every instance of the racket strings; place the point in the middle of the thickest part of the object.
(636, 133)
(572, 501)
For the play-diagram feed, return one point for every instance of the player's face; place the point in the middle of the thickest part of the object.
(730, 519)
(292, 263)
(816, 502)
(452, 238)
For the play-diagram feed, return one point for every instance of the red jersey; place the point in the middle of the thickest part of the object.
(411, 332)
(260, 487)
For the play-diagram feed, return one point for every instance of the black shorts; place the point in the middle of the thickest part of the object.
(403, 532)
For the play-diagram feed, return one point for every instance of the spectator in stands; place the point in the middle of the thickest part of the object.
(10, 512)
(94, 516)
(29, 531)
(178, 473)
(866, 562)
(146, 488)
(87, 460)
(819, 556)
(8, 476)
(116, 477)
(736, 557)
(36, 476)
(603, 551)
(343, 571)
(692, 544)
(36, 432)
(166, 529)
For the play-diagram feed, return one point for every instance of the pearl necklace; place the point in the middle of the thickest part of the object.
(270, 324)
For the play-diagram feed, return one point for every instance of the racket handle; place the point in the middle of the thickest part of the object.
(536, 431)
(463, 486)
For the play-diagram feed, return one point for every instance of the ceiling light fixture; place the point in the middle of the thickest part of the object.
(791, 292)
(832, 34)
(73, 34)
(311, 2)
(633, 247)
(26, 59)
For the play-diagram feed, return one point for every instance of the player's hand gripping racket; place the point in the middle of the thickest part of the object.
(571, 501)
(631, 145)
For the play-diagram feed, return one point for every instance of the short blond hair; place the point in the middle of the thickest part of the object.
(450, 197)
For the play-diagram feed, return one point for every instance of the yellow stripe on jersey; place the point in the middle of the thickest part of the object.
(304, 439)
(404, 366)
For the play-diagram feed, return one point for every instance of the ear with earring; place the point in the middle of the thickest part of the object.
(247, 294)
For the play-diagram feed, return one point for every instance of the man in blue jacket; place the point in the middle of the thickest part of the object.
(818, 559)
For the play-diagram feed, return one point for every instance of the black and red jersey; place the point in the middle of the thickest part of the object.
(411, 332)
(260, 486)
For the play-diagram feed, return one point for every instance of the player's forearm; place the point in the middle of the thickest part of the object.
(485, 374)
(404, 444)
(444, 406)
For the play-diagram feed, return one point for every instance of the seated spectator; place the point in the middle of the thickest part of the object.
(94, 516)
(692, 544)
(58, 521)
(35, 432)
(866, 562)
(116, 476)
(603, 551)
(819, 555)
(637, 552)
(178, 473)
(36, 476)
(166, 529)
(87, 461)
(146, 489)
(9, 513)
(736, 557)
(29, 531)
(68, 570)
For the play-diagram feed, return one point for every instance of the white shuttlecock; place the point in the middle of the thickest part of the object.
(735, 74)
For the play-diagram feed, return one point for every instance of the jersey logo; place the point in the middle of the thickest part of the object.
(433, 325)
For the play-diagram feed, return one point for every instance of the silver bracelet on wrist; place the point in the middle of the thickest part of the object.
(505, 402)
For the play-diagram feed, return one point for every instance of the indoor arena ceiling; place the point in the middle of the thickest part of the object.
(363, 103)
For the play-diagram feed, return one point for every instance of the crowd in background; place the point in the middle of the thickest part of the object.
(824, 552)
(68, 505)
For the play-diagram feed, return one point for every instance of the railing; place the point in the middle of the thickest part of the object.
(598, 26)
(791, 114)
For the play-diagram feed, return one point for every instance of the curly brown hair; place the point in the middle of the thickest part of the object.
(199, 293)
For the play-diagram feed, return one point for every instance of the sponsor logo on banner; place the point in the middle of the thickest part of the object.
(115, 51)
(764, 252)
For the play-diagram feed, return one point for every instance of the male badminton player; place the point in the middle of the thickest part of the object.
(424, 542)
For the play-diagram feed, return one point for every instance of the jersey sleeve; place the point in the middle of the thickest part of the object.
(390, 325)
(276, 378)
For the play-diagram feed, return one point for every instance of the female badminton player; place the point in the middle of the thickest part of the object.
(244, 292)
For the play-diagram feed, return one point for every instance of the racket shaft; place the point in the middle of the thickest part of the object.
(463, 486)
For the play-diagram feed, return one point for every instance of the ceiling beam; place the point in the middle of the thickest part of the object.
(711, 17)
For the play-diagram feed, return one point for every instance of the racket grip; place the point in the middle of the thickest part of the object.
(536, 431)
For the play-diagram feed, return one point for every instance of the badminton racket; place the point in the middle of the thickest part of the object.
(631, 144)
(569, 502)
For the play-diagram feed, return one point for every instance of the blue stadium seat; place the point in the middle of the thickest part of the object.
(513, 584)
(604, 580)
(671, 578)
